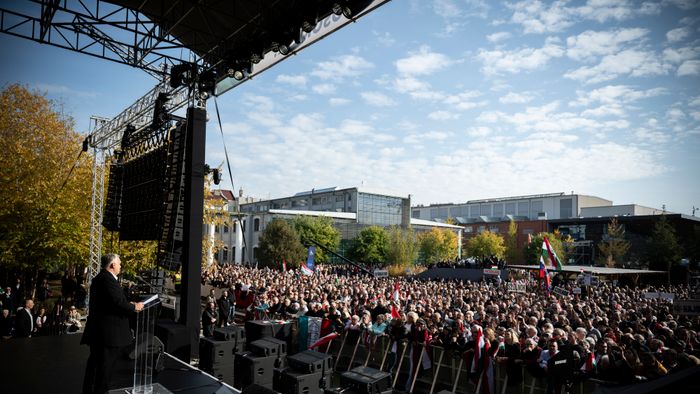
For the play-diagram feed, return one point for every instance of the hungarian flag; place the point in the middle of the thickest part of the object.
(548, 252)
(324, 340)
(479, 343)
(487, 374)
(396, 295)
(545, 275)
(590, 363)
(395, 312)
(284, 265)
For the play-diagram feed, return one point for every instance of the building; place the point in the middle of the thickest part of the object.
(532, 207)
(351, 209)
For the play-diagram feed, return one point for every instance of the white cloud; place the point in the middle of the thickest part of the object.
(684, 4)
(443, 115)
(631, 62)
(64, 90)
(384, 38)
(338, 101)
(524, 59)
(437, 135)
(392, 152)
(377, 99)
(296, 80)
(689, 67)
(479, 131)
(324, 88)
(355, 127)
(694, 102)
(342, 67)
(416, 88)
(591, 44)
(423, 62)
(464, 101)
(679, 55)
(678, 34)
(516, 98)
(498, 36)
(651, 136)
(615, 94)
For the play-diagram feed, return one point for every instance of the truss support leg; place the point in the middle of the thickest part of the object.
(98, 183)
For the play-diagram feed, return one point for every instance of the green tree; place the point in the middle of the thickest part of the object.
(437, 245)
(402, 248)
(533, 250)
(486, 244)
(370, 246)
(317, 229)
(613, 247)
(663, 249)
(43, 223)
(279, 241)
(511, 242)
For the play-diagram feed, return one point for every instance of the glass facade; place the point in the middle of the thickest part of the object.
(373, 209)
(566, 208)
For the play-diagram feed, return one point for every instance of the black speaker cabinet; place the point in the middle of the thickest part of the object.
(256, 329)
(221, 372)
(366, 380)
(249, 369)
(230, 333)
(257, 389)
(175, 338)
(268, 346)
(310, 361)
(288, 381)
(213, 352)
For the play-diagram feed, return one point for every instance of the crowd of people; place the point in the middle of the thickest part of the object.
(611, 333)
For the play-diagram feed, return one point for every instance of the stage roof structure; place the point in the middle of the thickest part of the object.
(602, 271)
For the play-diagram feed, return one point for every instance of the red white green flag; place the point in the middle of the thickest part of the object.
(549, 253)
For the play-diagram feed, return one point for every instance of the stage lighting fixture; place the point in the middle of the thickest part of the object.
(216, 176)
(237, 69)
(207, 81)
(182, 74)
(255, 58)
(351, 8)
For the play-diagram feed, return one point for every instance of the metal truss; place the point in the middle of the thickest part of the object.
(97, 28)
(98, 187)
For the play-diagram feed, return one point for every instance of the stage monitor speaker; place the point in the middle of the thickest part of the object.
(213, 353)
(257, 389)
(268, 346)
(223, 372)
(175, 338)
(249, 369)
(366, 380)
(233, 332)
(288, 381)
(256, 329)
(310, 361)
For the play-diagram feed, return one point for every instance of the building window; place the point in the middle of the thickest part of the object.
(498, 210)
(255, 253)
(524, 209)
(225, 228)
(537, 208)
(494, 229)
(256, 224)
(416, 214)
(468, 229)
(225, 255)
(510, 208)
(216, 228)
(485, 210)
(566, 208)
(481, 229)
(233, 254)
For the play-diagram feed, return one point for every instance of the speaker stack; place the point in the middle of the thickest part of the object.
(365, 380)
(256, 366)
(216, 357)
(309, 372)
(257, 329)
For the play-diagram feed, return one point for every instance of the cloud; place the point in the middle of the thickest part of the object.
(689, 67)
(324, 88)
(615, 94)
(384, 38)
(592, 44)
(678, 34)
(377, 99)
(296, 80)
(479, 131)
(498, 36)
(416, 88)
(443, 115)
(679, 55)
(525, 59)
(342, 67)
(516, 98)
(338, 101)
(423, 62)
(651, 136)
(631, 62)
(464, 101)
(63, 90)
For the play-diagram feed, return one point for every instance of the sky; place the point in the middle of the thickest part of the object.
(448, 101)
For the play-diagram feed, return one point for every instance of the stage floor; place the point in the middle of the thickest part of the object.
(56, 364)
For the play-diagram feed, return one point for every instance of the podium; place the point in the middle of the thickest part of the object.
(147, 349)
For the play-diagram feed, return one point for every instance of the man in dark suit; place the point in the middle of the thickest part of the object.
(107, 328)
(24, 320)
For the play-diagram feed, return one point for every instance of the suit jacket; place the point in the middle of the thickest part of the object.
(108, 320)
(23, 323)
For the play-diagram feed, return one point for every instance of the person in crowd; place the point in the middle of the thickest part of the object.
(8, 300)
(41, 322)
(6, 324)
(209, 319)
(224, 304)
(107, 328)
(72, 321)
(24, 320)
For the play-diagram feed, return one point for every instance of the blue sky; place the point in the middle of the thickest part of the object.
(448, 100)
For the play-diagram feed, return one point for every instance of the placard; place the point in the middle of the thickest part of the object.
(560, 291)
(577, 290)
(517, 287)
(651, 295)
(687, 307)
(492, 272)
(381, 273)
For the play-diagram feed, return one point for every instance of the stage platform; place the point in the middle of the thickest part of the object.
(56, 364)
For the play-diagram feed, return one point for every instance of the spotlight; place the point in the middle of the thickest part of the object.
(237, 69)
(308, 26)
(255, 58)
(350, 8)
(337, 9)
(235, 74)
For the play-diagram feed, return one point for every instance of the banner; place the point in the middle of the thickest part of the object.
(651, 295)
(687, 307)
(490, 272)
(309, 331)
(517, 287)
(310, 257)
(560, 291)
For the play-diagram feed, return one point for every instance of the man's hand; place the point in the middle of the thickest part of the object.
(138, 306)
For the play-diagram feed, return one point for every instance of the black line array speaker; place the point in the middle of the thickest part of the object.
(175, 338)
(268, 346)
(251, 369)
(366, 380)
(310, 361)
(289, 381)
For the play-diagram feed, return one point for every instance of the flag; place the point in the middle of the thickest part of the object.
(306, 271)
(547, 251)
(590, 363)
(395, 312)
(397, 292)
(529, 239)
(310, 257)
(284, 265)
(324, 340)
(478, 345)
(487, 373)
(545, 275)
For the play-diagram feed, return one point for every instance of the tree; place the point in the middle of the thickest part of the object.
(279, 242)
(663, 249)
(512, 250)
(613, 247)
(402, 248)
(315, 230)
(437, 245)
(44, 223)
(533, 250)
(370, 246)
(215, 214)
(486, 244)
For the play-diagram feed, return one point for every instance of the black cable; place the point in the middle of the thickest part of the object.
(65, 181)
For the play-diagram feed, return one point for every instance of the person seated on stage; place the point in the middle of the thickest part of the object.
(41, 322)
(209, 319)
(72, 321)
(6, 324)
